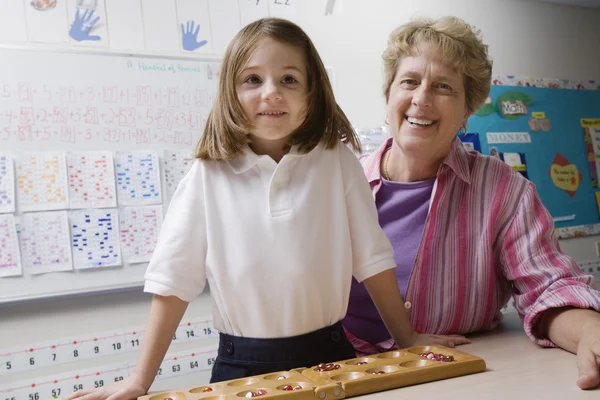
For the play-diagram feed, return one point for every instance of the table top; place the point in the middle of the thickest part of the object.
(517, 368)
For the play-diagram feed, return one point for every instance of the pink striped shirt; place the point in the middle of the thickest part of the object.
(487, 236)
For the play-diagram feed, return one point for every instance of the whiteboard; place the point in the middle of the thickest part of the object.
(73, 102)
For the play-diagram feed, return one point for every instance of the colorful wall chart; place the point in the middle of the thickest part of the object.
(541, 121)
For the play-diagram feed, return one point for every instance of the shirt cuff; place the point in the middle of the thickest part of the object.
(161, 289)
(576, 296)
(374, 269)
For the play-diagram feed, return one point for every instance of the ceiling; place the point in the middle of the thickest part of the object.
(577, 3)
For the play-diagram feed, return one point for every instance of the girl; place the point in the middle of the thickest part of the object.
(277, 215)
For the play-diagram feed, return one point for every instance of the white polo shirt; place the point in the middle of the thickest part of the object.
(277, 242)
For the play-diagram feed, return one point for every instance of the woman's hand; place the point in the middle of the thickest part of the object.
(588, 356)
(420, 339)
(127, 389)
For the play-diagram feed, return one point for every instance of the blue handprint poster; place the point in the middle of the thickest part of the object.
(87, 22)
(194, 26)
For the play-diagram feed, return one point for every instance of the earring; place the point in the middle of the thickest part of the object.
(386, 122)
(462, 131)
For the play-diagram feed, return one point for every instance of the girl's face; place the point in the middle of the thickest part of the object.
(427, 105)
(273, 92)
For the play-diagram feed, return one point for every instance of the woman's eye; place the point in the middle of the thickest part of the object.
(289, 79)
(253, 79)
(444, 86)
(409, 82)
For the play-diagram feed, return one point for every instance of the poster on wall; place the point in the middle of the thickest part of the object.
(87, 23)
(538, 124)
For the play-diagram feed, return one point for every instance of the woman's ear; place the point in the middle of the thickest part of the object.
(466, 117)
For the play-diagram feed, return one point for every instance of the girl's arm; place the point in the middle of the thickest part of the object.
(165, 315)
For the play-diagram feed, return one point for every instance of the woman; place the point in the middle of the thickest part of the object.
(467, 230)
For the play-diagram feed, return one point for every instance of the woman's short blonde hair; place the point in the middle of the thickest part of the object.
(226, 132)
(459, 45)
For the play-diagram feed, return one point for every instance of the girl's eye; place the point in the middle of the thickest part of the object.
(289, 79)
(253, 79)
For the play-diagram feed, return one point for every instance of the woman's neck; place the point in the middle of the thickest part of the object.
(397, 166)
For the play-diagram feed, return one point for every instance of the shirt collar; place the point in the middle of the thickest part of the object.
(248, 159)
(457, 160)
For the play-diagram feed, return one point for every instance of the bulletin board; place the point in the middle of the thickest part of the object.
(543, 124)
(133, 118)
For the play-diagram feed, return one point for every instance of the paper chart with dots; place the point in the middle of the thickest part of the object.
(7, 184)
(95, 238)
(138, 178)
(10, 256)
(45, 242)
(41, 181)
(177, 165)
(91, 179)
(139, 232)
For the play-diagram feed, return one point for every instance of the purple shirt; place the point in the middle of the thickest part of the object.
(402, 209)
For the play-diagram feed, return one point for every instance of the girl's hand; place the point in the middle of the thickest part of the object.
(127, 389)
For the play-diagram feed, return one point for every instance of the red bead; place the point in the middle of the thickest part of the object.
(207, 390)
(297, 387)
(287, 387)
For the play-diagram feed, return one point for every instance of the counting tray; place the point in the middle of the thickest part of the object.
(353, 377)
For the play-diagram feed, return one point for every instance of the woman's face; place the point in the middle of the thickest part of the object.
(426, 106)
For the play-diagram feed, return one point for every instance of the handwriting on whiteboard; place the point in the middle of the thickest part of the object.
(91, 179)
(95, 238)
(7, 184)
(10, 257)
(41, 181)
(135, 115)
(139, 232)
(45, 242)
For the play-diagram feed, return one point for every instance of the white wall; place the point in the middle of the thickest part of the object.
(525, 38)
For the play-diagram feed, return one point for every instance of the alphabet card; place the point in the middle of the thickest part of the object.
(95, 238)
(177, 165)
(139, 232)
(41, 181)
(7, 184)
(10, 257)
(91, 179)
(45, 242)
(138, 178)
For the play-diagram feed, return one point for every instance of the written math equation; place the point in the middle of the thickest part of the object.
(69, 115)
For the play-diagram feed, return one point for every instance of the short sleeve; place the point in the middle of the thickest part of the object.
(372, 252)
(177, 267)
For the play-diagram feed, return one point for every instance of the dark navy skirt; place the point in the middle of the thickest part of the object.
(240, 357)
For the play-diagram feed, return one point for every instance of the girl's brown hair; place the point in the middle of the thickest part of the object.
(226, 132)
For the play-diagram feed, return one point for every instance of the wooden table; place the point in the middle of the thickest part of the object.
(517, 369)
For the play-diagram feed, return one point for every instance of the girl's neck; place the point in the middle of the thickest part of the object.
(275, 149)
